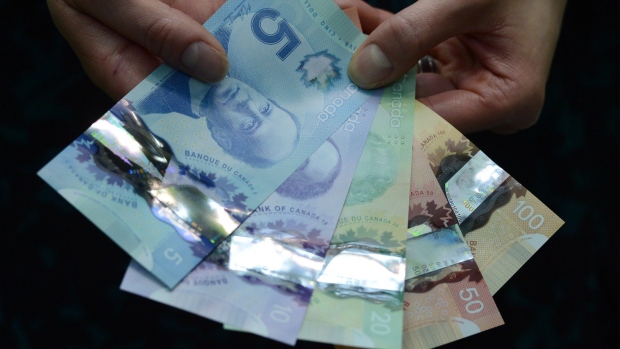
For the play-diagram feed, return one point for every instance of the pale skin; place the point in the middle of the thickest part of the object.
(494, 56)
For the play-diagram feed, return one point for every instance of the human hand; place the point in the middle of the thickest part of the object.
(120, 42)
(493, 57)
(369, 17)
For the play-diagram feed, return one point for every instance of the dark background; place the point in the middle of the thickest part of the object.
(59, 275)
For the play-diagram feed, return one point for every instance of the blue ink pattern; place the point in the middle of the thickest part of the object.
(320, 70)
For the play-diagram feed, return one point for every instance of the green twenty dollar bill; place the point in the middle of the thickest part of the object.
(358, 298)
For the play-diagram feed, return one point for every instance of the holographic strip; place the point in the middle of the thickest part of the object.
(277, 252)
(433, 251)
(370, 236)
(238, 139)
(472, 184)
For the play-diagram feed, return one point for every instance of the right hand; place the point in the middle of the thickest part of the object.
(120, 42)
(493, 56)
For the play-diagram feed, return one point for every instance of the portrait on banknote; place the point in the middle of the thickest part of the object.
(376, 171)
(248, 114)
(315, 176)
(176, 146)
(247, 125)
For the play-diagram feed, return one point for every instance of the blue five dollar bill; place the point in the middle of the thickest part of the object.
(274, 257)
(174, 168)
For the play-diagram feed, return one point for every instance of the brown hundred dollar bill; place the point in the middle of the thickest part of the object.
(503, 223)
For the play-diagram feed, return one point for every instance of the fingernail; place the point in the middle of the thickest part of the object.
(204, 62)
(370, 67)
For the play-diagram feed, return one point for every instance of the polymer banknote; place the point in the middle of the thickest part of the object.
(176, 165)
(446, 297)
(428, 207)
(503, 223)
(439, 249)
(362, 279)
(446, 305)
(267, 268)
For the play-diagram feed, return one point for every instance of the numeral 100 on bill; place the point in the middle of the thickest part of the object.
(526, 213)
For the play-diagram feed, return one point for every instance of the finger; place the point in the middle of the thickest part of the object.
(354, 16)
(370, 16)
(200, 11)
(395, 46)
(114, 64)
(471, 112)
(165, 32)
(432, 84)
(465, 110)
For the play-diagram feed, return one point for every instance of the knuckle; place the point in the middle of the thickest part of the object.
(405, 35)
(157, 36)
(408, 38)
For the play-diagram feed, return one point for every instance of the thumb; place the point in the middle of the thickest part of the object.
(167, 33)
(396, 45)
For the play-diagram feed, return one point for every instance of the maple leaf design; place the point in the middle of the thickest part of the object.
(223, 183)
(86, 142)
(450, 145)
(350, 235)
(84, 155)
(387, 240)
(435, 159)
(207, 179)
(314, 235)
(243, 11)
(462, 146)
(278, 225)
(444, 216)
(320, 70)
(293, 225)
(367, 234)
(431, 207)
(516, 187)
(239, 201)
(415, 210)
(316, 245)
(184, 170)
(361, 234)
(99, 174)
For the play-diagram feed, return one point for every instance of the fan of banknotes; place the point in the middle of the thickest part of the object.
(286, 202)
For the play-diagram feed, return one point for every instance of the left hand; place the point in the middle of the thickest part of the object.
(120, 42)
